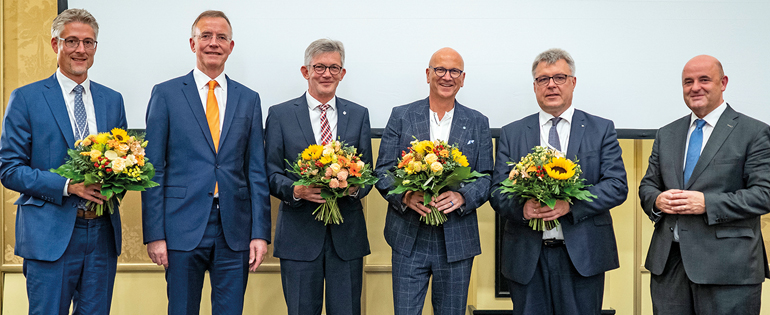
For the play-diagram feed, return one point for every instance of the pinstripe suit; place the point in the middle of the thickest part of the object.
(458, 238)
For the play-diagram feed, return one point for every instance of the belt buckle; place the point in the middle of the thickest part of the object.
(88, 215)
(553, 242)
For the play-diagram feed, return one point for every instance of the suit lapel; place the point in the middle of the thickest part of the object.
(194, 101)
(577, 128)
(303, 119)
(458, 131)
(342, 118)
(233, 100)
(532, 133)
(55, 99)
(678, 135)
(99, 108)
(421, 121)
(725, 125)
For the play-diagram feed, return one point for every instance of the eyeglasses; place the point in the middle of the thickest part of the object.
(74, 42)
(320, 69)
(441, 71)
(559, 79)
(221, 38)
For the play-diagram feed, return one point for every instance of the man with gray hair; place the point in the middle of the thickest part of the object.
(560, 270)
(70, 253)
(309, 250)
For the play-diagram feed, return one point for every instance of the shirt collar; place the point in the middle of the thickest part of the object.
(448, 115)
(202, 80)
(566, 115)
(713, 117)
(312, 103)
(67, 84)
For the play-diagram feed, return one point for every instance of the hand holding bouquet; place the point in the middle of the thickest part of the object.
(545, 175)
(334, 167)
(429, 167)
(115, 160)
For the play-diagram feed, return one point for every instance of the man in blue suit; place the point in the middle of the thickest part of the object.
(70, 254)
(309, 250)
(446, 251)
(211, 211)
(560, 271)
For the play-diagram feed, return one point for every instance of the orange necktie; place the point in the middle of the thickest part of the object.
(212, 116)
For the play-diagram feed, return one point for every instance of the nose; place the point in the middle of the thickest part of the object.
(551, 82)
(446, 76)
(81, 47)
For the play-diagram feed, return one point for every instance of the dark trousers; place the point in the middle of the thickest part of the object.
(228, 272)
(673, 293)
(84, 275)
(412, 273)
(557, 288)
(303, 283)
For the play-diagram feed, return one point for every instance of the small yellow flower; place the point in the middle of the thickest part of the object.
(95, 155)
(560, 168)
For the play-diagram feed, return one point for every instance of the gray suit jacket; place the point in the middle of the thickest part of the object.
(470, 130)
(724, 245)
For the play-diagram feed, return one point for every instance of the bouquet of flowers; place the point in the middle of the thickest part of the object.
(547, 176)
(115, 160)
(430, 167)
(334, 167)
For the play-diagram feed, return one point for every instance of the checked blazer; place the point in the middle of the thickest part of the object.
(470, 131)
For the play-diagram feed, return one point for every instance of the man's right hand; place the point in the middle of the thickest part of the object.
(414, 200)
(309, 193)
(90, 192)
(158, 252)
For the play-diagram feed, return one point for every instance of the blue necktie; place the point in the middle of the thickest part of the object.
(553, 135)
(693, 149)
(81, 119)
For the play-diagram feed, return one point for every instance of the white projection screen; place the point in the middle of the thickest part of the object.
(629, 54)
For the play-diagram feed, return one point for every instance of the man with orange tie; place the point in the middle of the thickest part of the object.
(211, 211)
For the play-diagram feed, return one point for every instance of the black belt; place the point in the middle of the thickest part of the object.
(88, 215)
(553, 243)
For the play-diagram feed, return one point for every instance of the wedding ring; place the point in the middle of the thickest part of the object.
(451, 203)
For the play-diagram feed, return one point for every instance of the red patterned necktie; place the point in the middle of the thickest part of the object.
(326, 131)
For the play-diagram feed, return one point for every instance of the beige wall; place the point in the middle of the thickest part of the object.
(140, 286)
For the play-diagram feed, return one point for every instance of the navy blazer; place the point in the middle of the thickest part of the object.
(188, 166)
(588, 233)
(298, 235)
(723, 245)
(470, 131)
(36, 135)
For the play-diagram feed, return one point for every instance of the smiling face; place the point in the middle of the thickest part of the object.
(554, 99)
(323, 86)
(445, 87)
(74, 62)
(702, 84)
(212, 54)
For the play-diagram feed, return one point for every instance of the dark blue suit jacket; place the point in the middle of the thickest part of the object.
(288, 131)
(36, 135)
(187, 167)
(470, 130)
(588, 232)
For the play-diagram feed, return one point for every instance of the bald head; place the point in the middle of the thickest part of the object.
(444, 54)
(703, 82)
(449, 64)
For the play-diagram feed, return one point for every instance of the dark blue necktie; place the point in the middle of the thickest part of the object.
(553, 136)
(693, 149)
(81, 119)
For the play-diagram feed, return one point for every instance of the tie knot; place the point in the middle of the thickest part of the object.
(79, 89)
(555, 121)
(699, 123)
(324, 107)
(212, 84)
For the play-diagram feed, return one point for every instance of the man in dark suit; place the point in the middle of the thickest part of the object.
(309, 250)
(205, 140)
(560, 271)
(446, 251)
(707, 184)
(70, 254)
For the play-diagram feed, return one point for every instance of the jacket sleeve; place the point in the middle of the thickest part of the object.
(157, 133)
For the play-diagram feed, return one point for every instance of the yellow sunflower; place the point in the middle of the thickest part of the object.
(312, 152)
(560, 168)
(120, 135)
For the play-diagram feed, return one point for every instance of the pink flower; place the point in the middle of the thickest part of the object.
(342, 175)
(328, 173)
(334, 183)
(343, 183)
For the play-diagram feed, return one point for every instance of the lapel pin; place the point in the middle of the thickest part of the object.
(729, 125)
(344, 112)
(583, 126)
(463, 127)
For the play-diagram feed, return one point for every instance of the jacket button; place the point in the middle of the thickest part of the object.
(672, 229)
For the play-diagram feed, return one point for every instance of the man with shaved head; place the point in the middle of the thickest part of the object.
(706, 187)
(445, 251)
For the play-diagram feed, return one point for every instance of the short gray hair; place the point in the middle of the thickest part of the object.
(324, 45)
(552, 56)
(211, 14)
(73, 15)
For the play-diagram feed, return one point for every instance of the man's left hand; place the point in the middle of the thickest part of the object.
(448, 201)
(257, 251)
(689, 202)
(559, 210)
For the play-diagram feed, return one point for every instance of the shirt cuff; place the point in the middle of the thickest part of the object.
(66, 187)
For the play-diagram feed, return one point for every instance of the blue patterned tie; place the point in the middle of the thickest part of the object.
(553, 135)
(81, 118)
(693, 149)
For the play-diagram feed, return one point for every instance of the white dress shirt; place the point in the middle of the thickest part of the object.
(563, 129)
(315, 116)
(220, 91)
(439, 128)
(67, 86)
